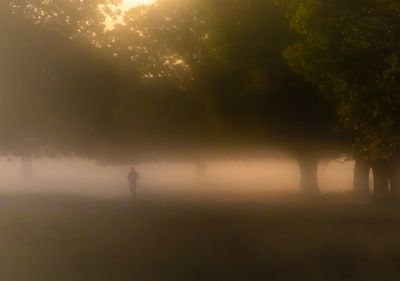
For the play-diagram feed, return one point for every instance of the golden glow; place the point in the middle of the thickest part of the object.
(127, 4)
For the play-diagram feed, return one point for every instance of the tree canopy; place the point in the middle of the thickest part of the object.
(49, 84)
(350, 49)
(216, 51)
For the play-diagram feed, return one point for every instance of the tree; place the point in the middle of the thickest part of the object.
(57, 91)
(229, 54)
(84, 101)
(202, 89)
(350, 49)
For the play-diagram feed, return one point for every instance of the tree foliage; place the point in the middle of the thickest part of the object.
(228, 55)
(177, 78)
(350, 49)
(73, 18)
(54, 89)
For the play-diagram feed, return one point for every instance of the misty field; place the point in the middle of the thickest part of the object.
(73, 238)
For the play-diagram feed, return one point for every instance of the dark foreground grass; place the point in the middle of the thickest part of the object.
(65, 238)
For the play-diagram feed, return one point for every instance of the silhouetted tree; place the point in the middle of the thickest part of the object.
(87, 101)
(228, 55)
(180, 80)
(57, 92)
(350, 50)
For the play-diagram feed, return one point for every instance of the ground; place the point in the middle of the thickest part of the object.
(61, 238)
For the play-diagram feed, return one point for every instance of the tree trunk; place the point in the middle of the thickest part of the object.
(361, 178)
(308, 175)
(381, 182)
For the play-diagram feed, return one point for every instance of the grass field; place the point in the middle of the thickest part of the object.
(59, 238)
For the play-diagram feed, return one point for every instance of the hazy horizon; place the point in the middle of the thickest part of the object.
(78, 176)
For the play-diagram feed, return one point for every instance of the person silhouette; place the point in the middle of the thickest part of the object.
(133, 177)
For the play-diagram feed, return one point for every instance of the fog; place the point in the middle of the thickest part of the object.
(194, 140)
(82, 177)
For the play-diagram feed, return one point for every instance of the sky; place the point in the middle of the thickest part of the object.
(127, 4)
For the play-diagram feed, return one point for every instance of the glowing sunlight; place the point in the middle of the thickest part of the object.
(127, 4)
